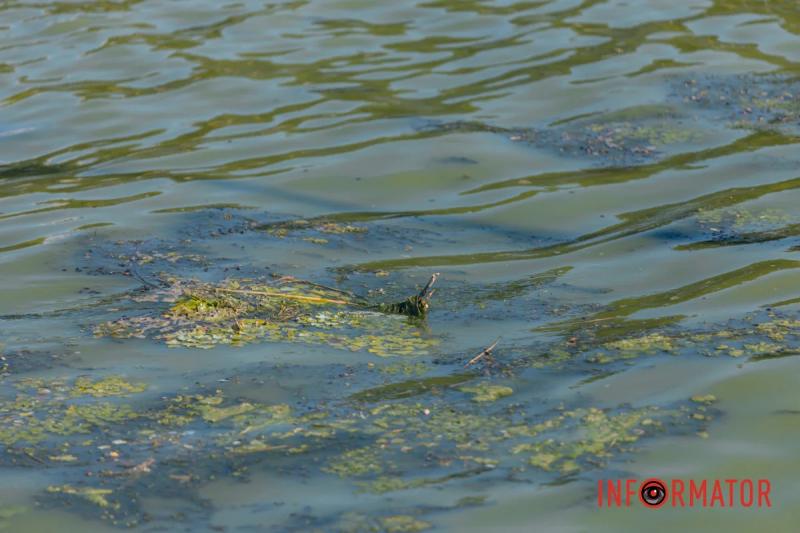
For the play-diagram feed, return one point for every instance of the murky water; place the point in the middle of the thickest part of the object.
(609, 188)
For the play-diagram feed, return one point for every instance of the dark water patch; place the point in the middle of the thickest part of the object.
(633, 223)
(410, 388)
(605, 176)
(612, 315)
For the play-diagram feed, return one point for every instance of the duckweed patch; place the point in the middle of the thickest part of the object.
(108, 386)
(238, 312)
(180, 441)
(462, 442)
(486, 392)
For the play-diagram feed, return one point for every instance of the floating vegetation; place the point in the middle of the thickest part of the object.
(747, 101)
(598, 435)
(109, 386)
(237, 312)
(486, 392)
(95, 496)
(456, 443)
(397, 523)
(110, 447)
(756, 337)
(646, 344)
(309, 229)
(630, 136)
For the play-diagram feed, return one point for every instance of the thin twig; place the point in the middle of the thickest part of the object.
(426, 293)
(30, 455)
(286, 296)
(135, 271)
(487, 352)
(288, 279)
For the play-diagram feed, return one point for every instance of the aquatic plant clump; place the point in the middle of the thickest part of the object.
(238, 312)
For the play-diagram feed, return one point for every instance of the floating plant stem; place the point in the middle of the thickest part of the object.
(277, 294)
(414, 306)
(485, 353)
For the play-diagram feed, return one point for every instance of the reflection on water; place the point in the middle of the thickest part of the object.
(609, 188)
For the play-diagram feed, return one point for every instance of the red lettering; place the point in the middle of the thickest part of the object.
(747, 500)
(599, 492)
(763, 491)
(629, 483)
(716, 494)
(731, 484)
(696, 492)
(677, 492)
(614, 493)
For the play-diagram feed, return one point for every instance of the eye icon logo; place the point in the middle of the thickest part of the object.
(653, 493)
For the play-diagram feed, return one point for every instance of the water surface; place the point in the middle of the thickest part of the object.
(609, 187)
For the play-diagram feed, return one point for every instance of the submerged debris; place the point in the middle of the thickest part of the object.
(486, 354)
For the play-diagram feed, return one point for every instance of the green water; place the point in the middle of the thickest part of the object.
(610, 188)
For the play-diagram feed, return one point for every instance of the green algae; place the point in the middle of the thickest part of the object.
(486, 392)
(357, 462)
(403, 524)
(322, 225)
(597, 436)
(31, 420)
(405, 368)
(352, 522)
(380, 448)
(239, 312)
(108, 386)
(646, 344)
(566, 441)
(706, 399)
(96, 496)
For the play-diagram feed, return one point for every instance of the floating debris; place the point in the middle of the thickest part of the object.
(237, 312)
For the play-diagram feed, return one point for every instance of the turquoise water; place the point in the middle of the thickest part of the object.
(609, 188)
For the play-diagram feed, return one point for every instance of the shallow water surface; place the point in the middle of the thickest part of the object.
(607, 189)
